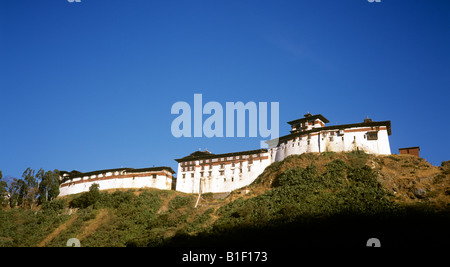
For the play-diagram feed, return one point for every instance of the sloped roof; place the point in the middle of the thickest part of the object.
(309, 118)
(209, 155)
(75, 173)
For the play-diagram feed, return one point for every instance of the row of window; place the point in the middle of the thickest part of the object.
(222, 166)
(221, 159)
(89, 177)
(224, 178)
(368, 136)
(221, 172)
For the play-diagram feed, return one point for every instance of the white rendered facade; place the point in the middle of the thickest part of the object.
(205, 172)
(314, 136)
(75, 182)
(210, 173)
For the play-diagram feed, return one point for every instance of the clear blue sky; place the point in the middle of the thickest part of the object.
(90, 85)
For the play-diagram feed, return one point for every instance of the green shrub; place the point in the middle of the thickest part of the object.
(298, 176)
(56, 205)
(304, 193)
(87, 199)
(179, 202)
(117, 198)
(358, 158)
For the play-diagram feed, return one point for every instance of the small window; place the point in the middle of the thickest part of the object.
(154, 176)
(221, 173)
(210, 173)
(192, 175)
(184, 175)
(249, 168)
(372, 135)
(201, 174)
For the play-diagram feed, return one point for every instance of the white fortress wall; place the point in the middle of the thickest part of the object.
(217, 173)
(221, 174)
(344, 140)
(159, 180)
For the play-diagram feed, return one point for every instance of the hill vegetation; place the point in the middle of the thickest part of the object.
(312, 199)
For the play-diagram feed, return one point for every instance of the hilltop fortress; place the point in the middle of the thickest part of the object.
(204, 172)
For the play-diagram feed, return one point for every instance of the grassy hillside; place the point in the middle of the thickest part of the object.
(327, 199)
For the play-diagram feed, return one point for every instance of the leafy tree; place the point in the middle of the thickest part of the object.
(53, 185)
(48, 186)
(94, 194)
(3, 191)
(17, 191)
(31, 190)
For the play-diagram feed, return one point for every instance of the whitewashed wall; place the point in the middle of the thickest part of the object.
(351, 139)
(216, 183)
(160, 182)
